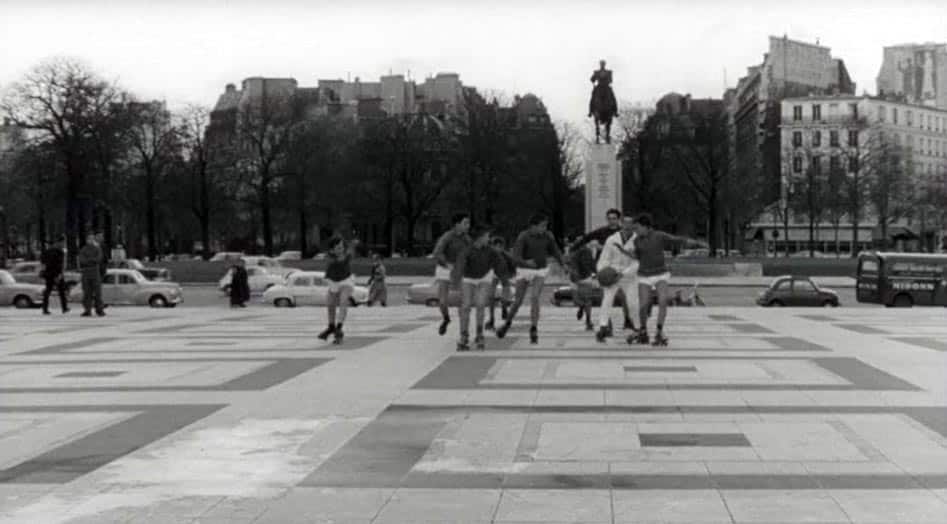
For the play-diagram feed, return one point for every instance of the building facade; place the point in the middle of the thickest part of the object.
(822, 134)
(915, 74)
(789, 69)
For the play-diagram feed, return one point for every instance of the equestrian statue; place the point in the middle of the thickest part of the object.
(603, 107)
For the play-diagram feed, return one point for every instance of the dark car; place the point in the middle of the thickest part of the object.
(797, 292)
(158, 274)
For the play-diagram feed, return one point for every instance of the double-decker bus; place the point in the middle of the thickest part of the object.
(902, 279)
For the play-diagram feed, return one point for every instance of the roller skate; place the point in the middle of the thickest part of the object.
(660, 339)
(442, 329)
(489, 326)
(579, 313)
(589, 326)
(640, 337)
(463, 344)
(609, 331)
(324, 335)
(533, 335)
(479, 343)
(501, 331)
(338, 334)
(601, 335)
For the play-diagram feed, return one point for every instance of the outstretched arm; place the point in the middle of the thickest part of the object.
(439, 250)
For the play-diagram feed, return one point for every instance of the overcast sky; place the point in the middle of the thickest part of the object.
(186, 51)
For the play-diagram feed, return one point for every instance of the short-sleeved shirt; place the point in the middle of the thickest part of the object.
(339, 268)
(537, 247)
(451, 245)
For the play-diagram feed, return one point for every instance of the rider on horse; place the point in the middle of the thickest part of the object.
(603, 98)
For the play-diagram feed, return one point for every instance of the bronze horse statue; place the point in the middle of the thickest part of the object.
(603, 107)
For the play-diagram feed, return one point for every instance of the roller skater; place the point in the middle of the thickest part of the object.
(504, 277)
(475, 272)
(582, 274)
(448, 248)
(341, 283)
(617, 267)
(531, 251)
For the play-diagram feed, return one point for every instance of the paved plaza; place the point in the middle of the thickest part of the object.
(207, 415)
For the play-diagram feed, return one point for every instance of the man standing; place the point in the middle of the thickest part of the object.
(53, 260)
(601, 235)
(448, 248)
(90, 261)
(531, 252)
(618, 255)
(653, 273)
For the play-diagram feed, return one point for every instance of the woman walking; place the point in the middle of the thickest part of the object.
(377, 290)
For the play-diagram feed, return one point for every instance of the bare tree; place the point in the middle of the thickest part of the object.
(63, 101)
(890, 173)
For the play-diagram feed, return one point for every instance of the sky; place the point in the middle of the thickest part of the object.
(187, 51)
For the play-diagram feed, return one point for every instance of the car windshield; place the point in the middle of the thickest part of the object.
(6, 279)
(805, 285)
(135, 263)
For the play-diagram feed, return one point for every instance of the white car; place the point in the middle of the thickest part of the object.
(226, 256)
(307, 288)
(129, 287)
(270, 264)
(19, 294)
(290, 255)
(259, 278)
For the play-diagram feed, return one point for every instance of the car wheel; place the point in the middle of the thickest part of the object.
(283, 302)
(830, 303)
(903, 300)
(22, 302)
(157, 301)
(432, 302)
(776, 303)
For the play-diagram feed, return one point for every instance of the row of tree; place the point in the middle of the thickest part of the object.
(260, 178)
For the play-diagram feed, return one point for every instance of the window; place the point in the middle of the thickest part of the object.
(126, 279)
(783, 285)
(109, 279)
(302, 282)
(910, 116)
(854, 110)
(833, 138)
(797, 164)
(804, 286)
(852, 164)
(817, 164)
(929, 123)
(797, 138)
(797, 113)
(834, 163)
(894, 115)
(816, 112)
(833, 110)
(883, 112)
(853, 138)
(817, 138)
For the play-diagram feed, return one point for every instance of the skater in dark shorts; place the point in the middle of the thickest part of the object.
(531, 251)
(582, 274)
(475, 272)
(341, 283)
(504, 277)
(448, 248)
(601, 235)
(653, 273)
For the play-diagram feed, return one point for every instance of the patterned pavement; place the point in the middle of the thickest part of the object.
(213, 415)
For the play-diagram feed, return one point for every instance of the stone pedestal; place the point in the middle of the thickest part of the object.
(602, 184)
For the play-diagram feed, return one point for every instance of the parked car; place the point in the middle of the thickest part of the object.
(289, 255)
(29, 273)
(426, 294)
(129, 287)
(272, 265)
(226, 256)
(260, 279)
(151, 273)
(564, 296)
(797, 292)
(19, 294)
(307, 288)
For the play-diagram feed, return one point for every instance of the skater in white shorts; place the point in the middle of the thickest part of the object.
(448, 248)
(618, 254)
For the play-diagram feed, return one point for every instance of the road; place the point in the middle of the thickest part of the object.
(713, 296)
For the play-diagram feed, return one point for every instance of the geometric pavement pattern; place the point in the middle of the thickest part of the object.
(215, 415)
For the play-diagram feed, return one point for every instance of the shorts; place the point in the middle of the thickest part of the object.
(484, 280)
(528, 274)
(336, 287)
(654, 279)
(442, 274)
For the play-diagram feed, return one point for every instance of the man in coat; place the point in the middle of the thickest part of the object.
(53, 260)
(90, 262)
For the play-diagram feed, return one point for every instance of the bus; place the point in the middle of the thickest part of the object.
(902, 279)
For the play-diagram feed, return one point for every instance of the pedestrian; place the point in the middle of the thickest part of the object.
(448, 248)
(618, 256)
(504, 275)
(582, 275)
(53, 260)
(239, 284)
(377, 289)
(341, 283)
(613, 225)
(90, 262)
(476, 273)
(531, 251)
(653, 273)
